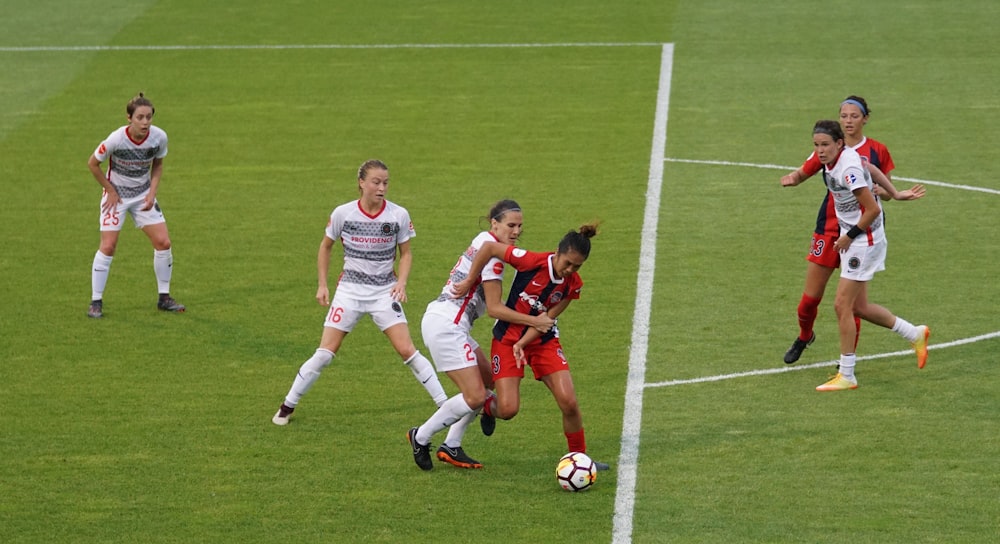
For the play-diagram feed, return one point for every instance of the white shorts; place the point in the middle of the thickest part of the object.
(452, 346)
(115, 219)
(345, 312)
(860, 263)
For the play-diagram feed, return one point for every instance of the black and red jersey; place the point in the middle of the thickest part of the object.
(534, 290)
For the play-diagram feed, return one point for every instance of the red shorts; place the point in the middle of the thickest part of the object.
(822, 251)
(544, 359)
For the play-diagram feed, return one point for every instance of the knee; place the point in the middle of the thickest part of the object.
(506, 411)
(161, 244)
(570, 407)
(475, 400)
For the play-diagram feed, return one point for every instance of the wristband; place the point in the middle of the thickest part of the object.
(855, 232)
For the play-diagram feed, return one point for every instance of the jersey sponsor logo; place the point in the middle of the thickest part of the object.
(372, 240)
(518, 252)
(533, 302)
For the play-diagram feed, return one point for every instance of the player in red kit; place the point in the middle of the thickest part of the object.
(544, 283)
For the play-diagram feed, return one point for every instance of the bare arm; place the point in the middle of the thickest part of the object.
(489, 250)
(402, 272)
(113, 199)
(793, 178)
(531, 335)
(155, 172)
(871, 210)
(496, 309)
(323, 270)
(887, 191)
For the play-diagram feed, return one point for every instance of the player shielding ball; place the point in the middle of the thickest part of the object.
(545, 283)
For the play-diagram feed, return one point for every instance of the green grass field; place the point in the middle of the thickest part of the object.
(155, 428)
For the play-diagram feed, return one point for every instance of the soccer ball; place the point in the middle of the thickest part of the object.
(576, 471)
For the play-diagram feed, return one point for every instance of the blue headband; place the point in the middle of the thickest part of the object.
(864, 110)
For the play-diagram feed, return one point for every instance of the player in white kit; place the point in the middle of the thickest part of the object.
(862, 247)
(135, 153)
(447, 330)
(371, 230)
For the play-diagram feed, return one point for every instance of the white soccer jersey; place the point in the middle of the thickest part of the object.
(464, 311)
(369, 247)
(131, 161)
(847, 175)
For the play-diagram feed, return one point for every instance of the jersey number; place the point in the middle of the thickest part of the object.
(112, 218)
(336, 314)
(470, 354)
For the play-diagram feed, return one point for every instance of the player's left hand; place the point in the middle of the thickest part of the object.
(913, 193)
(148, 203)
(398, 293)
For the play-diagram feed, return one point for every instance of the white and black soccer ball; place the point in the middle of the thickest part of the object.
(576, 471)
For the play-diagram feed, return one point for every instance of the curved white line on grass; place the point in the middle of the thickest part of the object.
(780, 370)
(628, 458)
(790, 168)
(47, 48)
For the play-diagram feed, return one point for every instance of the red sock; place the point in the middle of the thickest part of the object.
(487, 409)
(808, 308)
(576, 441)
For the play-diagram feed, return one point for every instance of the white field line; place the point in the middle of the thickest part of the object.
(207, 47)
(628, 458)
(780, 370)
(790, 168)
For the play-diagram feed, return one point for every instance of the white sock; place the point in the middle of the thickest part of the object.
(847, 362)
(423, 371)
(307, 376)
(163, 263)
(457, 430)
(905, 329)
(99, 275)
(451, 411)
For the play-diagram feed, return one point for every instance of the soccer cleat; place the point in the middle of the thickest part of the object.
(488, 423)
(601, 467)
(168, 304)
(798, 346)
(920, 346)
(282, 415)
(839, 383)
(456, 456)
(96, 309)
(421, 452)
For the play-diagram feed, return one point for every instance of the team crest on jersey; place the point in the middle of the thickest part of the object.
(396, 307)
(497, 268)
(853, 263)
(389, 228)
(554, 298)
(102, 150)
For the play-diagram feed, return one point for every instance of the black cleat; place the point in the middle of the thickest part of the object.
(486, 422)
(96, 309)
(168, 304)
(457, 457)
(421, 452)
(798, 346)
(601, 467)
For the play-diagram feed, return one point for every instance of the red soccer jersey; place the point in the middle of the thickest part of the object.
(875, 152)
(534, 290)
